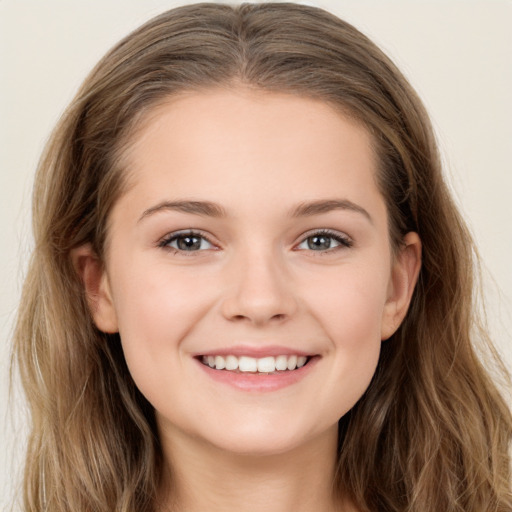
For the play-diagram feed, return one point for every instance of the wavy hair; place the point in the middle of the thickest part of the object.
(431, 433)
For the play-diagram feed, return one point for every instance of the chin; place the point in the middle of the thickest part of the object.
(257, 446)
(258, 439)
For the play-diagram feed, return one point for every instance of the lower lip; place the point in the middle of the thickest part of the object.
(259, 382)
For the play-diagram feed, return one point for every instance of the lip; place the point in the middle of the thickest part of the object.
(258, 383)
(256, 351)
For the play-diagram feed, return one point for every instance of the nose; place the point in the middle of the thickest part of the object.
(258, 290)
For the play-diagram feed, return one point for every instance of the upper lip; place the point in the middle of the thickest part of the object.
(256, 351)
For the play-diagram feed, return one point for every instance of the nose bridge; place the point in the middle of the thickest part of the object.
(259, 289)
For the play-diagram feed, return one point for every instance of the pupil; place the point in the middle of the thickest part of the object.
(188, 243)
(319, 242)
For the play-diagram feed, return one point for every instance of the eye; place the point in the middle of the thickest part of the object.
(189, 241)
(324, 240)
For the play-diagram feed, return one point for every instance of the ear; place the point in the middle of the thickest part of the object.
(404, 275)
(97, 288)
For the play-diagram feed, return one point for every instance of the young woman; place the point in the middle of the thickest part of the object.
(251, 289)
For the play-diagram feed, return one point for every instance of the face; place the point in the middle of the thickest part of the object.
(252, 239)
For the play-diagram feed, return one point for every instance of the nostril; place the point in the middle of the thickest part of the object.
(239, 317)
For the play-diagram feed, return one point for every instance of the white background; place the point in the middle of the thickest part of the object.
(457, 53)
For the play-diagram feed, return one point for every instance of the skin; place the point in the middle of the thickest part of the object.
(258, 281)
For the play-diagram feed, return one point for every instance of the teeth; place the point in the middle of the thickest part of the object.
(251, 364)
(247, 364)
(292, 362)
(281, 363)
(231, 363)
(266, 365)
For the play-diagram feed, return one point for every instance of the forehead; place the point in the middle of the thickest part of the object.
(243, 145)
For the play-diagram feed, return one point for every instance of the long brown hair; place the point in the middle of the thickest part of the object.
(431, 433)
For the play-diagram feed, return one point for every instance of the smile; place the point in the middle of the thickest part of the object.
(260, 374)
(246, 364)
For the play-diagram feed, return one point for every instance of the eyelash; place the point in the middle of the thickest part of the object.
(164, 243)
(344, 241)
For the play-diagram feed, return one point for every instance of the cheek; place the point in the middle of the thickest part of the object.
(156, 309)
(350, 309)
(351, 304)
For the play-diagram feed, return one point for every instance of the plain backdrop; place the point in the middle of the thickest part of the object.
(456, 53)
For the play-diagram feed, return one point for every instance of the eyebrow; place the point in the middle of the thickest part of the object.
(209, 209)
(325, 206)
(203, 208)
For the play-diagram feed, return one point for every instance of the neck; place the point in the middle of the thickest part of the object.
(205, 477)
